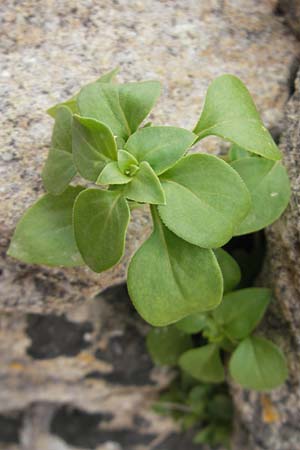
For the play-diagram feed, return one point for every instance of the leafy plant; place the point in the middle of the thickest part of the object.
(226, 343)
(198, 201)
(255, 363)
(205, 408)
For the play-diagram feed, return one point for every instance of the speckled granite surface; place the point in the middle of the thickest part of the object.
(48, 48)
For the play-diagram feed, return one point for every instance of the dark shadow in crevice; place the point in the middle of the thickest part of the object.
(129, 358)
(52, 336)
(82, 429)
(10, 426)
(249, 252)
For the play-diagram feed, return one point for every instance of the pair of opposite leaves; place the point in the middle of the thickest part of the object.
(206, 200)
(256, 363)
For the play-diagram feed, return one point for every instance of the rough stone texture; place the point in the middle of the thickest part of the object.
(291, 11)
(273, 421)
(86, 377)
(67, 358)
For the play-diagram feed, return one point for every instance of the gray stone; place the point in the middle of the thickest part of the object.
(291, 11)
(60, 346)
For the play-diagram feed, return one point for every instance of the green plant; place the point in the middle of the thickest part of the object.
(255, 362)
(202, 347)
(203, 407)
(198, 203)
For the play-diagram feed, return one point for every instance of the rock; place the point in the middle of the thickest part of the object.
(80, 380)
(291, 11)
(77, 361)
(271, 421)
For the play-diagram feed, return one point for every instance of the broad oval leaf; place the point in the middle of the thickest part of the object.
(122, 107)
(203, 363)
(111, 174)
(145, 186)
(101, 101)
(62, 130)
(166, 344)
(161, 146)
(59, 168)
(93, 146)
(192, 324)
(230, 113)
(169, 279)
(58, 172)
(100, 224)
(137, 99)
(44, 235)
(269, 186)
(72, 102)
(241, 311)
(205, 200)
(258, 364)
(230, 269)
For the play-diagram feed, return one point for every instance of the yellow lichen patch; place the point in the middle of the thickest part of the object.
(86, 358)
(269, 412)
(16, 366)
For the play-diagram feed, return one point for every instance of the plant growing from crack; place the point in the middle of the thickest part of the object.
(198, 203)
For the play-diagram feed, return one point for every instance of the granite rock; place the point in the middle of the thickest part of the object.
(67, 356)
(290, 9)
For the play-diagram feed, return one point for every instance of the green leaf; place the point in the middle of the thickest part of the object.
(59, 168)
(203, 363)
(100, 223)
(44, 235)
(62, 130)
(127, 163)
(137, 99)
(166, 344)
(101, 101)
(58, 171)
(198, 397)
(145, 187)
(108, 77)
(236, 152)
(205, 200)
(258, 364)
(230, 113)
(230, 269)
(169, 279)
(72, 102)
(269, 186)
(93, 146)
(161, 147)
(220, 407)
(205, 435)
(121, 107)
(192, 324)
(241, 311)
(111, 174)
